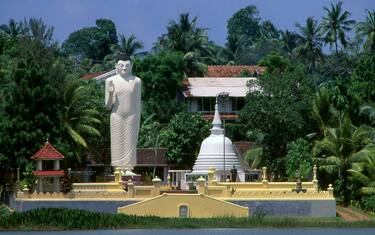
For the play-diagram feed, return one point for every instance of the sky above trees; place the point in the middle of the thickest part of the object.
(147, 19)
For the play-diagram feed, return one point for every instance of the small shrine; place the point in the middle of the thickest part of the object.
(48, 171)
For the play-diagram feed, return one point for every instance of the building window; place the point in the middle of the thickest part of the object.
(237, 103)
(206, 104)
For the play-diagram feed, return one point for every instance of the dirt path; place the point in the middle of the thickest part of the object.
(348, 214)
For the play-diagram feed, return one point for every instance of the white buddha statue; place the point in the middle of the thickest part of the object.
(123, 98)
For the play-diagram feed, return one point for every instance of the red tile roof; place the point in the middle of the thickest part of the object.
(92, 75)
(232, 70)
(47, 152)
(49, 173)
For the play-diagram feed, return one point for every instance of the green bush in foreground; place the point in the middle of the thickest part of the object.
(368, 203)
(63, 219)
(4, 211)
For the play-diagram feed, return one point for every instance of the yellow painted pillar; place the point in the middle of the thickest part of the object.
(315, 180)
(330, 189)
(156, 182)
(264, 177)
(130, 189)
(210, 175)
(201, 185)
(228, 190)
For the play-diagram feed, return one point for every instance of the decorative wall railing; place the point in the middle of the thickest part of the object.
(210, 187)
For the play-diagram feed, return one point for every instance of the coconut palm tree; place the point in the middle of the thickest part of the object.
(289, 41)
(363, 169)
(39, 31)
(335, 25)
(323, 110)
(369, 110)
(309, 49)
(125, 50)
(79, 121)
(367, 29)
(13, 29)
(185, 36)
(338, 150)
(127, 47)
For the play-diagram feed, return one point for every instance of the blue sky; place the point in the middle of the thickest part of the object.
(147, 19)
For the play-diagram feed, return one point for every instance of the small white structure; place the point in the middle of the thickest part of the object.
(217, 152)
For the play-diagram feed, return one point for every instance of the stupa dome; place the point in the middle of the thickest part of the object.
(211, 152)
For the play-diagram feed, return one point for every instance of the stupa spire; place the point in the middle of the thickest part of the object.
(216, 122)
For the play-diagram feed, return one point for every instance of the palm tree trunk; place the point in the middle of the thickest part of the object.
(312, 73)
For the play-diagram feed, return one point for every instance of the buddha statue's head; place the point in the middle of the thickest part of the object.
(124, 68)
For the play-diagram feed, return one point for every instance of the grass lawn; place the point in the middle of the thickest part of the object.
(63, 219)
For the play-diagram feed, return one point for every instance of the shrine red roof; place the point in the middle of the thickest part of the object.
(232, 70)
(47, 152)
(49, 173)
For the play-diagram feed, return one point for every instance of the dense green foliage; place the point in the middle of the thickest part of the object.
(162, 76)
(243, 25)
(92, 42)
(183, 137)
(279, 108)
(29, 179)
(33, 76)
(298, 161)
(369, 203)
(68, 219)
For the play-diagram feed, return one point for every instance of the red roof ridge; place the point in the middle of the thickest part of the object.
(89, 76)
(232, 70)
(47, 152)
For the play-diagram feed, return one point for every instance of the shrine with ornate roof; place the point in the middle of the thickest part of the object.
(48, 170)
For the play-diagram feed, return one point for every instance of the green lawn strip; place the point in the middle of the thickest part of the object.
(68, 219)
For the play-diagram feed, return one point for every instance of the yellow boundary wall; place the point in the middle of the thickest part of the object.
(196, 205)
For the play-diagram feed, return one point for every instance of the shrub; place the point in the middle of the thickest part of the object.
(29, 179)
(4, 211)
(368, 203)
(66, 183)
(298, 160)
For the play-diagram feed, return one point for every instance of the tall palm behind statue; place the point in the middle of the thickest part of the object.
(79, 120)
(309, 49)
(125, 50)
(289, 41)
(335, 25)
(185, 36)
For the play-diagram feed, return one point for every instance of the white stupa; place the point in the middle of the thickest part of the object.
(211, 153)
